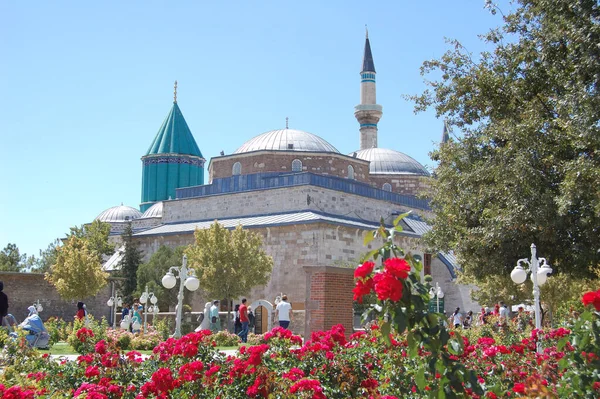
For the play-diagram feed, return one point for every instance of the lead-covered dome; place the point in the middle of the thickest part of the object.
(121, 213)
(155, 211)
(385, 161)
(287, 140)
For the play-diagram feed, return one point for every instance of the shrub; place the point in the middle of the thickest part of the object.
(225, 338)
(58, 329)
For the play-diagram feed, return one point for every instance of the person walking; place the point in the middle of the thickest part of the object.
(215, 322)
(243, 311)
(456, 318)
(284, 312)
(237, 324)
(251, 319)
(80, 315)
(3, 303)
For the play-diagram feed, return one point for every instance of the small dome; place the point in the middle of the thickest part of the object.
(119, 213)
(287, 140)
(155, 211)
(385, 161)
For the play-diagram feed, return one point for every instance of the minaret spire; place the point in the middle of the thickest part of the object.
(368, 112)
(175, 93)
(445, 133)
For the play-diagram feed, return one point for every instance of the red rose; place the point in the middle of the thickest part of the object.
(592, 298)
(519, 388)
(362, 288)
(387, 287)
(397, 267)
(364, 270)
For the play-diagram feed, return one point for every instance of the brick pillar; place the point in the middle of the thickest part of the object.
(328, 298)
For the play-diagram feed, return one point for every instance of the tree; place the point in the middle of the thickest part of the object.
(47, 258)
(527, 167)
(128, 265)
(77, 272)
(96, 234)
(229, 263)
(152, 272)
(11, 259)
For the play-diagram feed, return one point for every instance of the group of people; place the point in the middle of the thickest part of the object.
(131, 318)
(501, 312)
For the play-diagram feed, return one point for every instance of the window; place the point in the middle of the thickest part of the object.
(427, 264)
(387, 187)
(350, 172)
(237, 169)
(296, 165)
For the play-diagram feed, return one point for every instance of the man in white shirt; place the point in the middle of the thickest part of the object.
(284, 312)
(503, 313)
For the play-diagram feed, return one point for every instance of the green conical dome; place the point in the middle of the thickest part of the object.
(174, 136)
(172, 161)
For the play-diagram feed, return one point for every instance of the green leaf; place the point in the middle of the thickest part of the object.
(386, 329)
(455, 346)
(370, 236)
(400, 217)
(420, 378)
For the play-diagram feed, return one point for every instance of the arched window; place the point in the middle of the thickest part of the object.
(387, 187)
(296, 165)
(350, 172)
(237, 169)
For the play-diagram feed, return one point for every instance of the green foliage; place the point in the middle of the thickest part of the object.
(526, 169)
(77, 272)
(58, 329)
(163, 327)
(11, 259)
(96, 235)
(46, 258)
(86, 333)
(152, 272)
(229, 263)
(129, 264)
(225, 338)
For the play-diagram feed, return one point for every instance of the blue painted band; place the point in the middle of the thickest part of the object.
(368, 125)
(367, 80)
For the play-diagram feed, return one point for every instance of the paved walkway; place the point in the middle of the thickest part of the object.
(228, 352)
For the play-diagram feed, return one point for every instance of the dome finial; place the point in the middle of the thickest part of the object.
(175, 93)
(286, 122)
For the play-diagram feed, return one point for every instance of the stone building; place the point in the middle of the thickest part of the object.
(311, 204)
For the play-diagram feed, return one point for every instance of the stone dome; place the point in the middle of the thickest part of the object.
(385, 161)
(119, 213)
(287, 140)
(155, 211)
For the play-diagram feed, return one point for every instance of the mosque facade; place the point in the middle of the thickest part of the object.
(311, 204)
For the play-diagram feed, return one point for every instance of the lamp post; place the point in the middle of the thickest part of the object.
(539, 269)
(186, 278)
(113, 302)
(438, 293)
(152, 308)
(38, 306)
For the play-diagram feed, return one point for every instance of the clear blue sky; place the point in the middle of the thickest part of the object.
(86, 85)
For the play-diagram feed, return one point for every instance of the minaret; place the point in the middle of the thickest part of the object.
(172, 161)
(368, 112)
(445, 133)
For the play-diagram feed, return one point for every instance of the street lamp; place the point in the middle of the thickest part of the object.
(152, 308)
(189, 281)
(539, 269)
(38, 306)
(114, 302)
(438, 293)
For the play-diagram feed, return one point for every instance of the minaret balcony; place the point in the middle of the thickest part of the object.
(368, 107)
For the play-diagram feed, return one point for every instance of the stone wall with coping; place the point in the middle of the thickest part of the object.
(405, 184)
(279, 200)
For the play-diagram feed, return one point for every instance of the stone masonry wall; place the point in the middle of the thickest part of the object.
(23, 289)
(281, 161)
(402, 183)
(328, 298)
(278, 200)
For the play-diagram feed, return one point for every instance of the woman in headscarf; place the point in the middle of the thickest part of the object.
(80, 311)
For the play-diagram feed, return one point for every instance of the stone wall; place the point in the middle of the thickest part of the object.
(23, 289)
(278, 200)
(402, 183)
(328, 298)
(281, 161)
